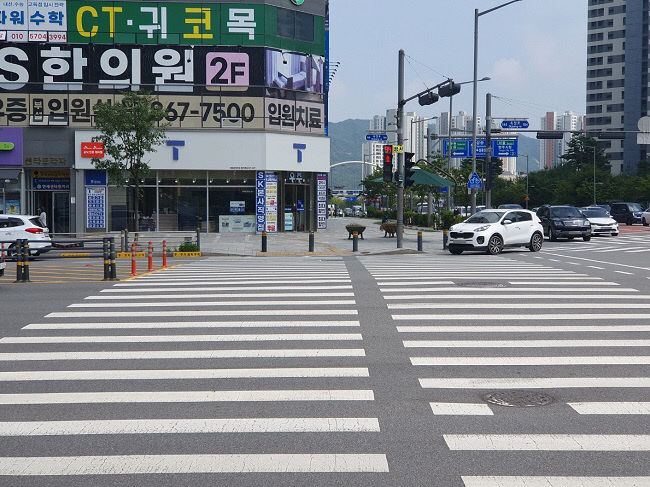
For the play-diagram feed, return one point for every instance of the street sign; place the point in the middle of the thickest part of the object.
(398, 149)
(376, 137)
(462, 148)
(515, 124)
(475, 182)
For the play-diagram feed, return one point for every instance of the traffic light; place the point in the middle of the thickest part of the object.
(409, 172)
(429, 98)
(450, 89)
(388, 163)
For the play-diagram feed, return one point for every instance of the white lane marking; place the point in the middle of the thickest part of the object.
(554, 260)
(139, 283)
(503, 317)
(602, 262)
(645, 249)
(460, 409)
(463, 297)
(505, 306)
(519, 328)
(193, 313)
(624, 272)
(527, 361)
(183, 354)
(596, 267)
(604, 283)
(169, 374)
(186, 396)
(180, 426)
(523, 343)
(225, 296)
(180, 304)
(535, 383)
(150, 281)
(471, 291)
(225, 288)
(610, 407)
(187, 338)
(188, 464)
(555, 481)
(556, 442)
(192, 324)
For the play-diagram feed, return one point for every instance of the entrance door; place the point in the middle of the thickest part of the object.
(296, 206)
(57, 209)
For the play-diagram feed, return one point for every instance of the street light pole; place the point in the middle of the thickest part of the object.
(527, 190)
(478, 14)
(594, 149)
(400, 155)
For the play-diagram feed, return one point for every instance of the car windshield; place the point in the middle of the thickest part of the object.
(595, 213)
(635, 207)
(565, 212)
(486, 217)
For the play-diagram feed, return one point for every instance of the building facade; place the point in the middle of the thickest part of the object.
(617, 76)
(243, 83)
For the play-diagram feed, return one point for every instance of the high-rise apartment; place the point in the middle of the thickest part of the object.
(617, 75)
(551, 151)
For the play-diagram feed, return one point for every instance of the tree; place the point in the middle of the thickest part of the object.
(130, 129)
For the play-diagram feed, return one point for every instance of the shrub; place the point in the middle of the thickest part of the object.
(448, 219)
(188, 247)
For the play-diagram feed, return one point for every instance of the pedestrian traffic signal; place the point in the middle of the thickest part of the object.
(409, 170)
(450, 89)
(388, 163)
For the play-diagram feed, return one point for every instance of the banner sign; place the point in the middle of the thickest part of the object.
(260, 200)
(96, 207)
(321, 200)
(51, 180)
(271, 203)
(34, 20)
(92, 150)
(96, 177)
(295, 116)
(11, 139)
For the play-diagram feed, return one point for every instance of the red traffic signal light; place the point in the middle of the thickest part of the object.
(388, 163)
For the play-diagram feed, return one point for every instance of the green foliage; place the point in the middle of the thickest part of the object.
(188, 247)
(338, 202)
(448, 219)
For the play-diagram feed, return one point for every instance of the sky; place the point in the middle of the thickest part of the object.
(534, 51)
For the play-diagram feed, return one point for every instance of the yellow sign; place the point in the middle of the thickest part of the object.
(398, 149)
(127, 255)
(187, 254)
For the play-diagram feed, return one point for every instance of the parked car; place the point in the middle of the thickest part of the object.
(511, 206)
(564, 222)
(2, 268)
(16, 227)
(628, 213)
(607, 208)
(493, 230)
(347, 211)
(645, 217)
(601, 222)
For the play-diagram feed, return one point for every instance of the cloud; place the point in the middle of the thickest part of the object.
(508, 73)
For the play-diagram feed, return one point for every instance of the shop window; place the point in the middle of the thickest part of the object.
(232, 210)
(295, 25)
(182, 209)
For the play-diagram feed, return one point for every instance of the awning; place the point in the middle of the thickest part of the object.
(11, 173)
(426, 178)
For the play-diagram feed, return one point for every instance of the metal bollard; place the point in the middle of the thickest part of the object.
(419, 241)
(113, 258)
(445, 239)
(126, 240)
(107, 260)
(18, 254)
(355, 242)
(25, 261)
(264, 242)
(164, 257)
(311, 241)
(134, 269)
(150, 257)
(198, 239)
(122, 242)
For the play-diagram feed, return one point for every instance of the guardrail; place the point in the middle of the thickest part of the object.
(174, 240)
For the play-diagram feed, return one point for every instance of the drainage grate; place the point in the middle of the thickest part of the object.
(518, 399)
(486, 284)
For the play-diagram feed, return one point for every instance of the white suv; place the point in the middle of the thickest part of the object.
(16, 227)
(492, 230)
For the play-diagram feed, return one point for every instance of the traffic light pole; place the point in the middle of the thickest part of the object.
(488, 150)
(400, 155)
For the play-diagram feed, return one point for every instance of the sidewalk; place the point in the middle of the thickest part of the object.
(333, 241)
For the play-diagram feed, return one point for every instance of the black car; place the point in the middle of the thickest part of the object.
(564, 222)
(628, 213)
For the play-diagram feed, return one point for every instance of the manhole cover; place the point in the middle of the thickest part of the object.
(481, 284)
(518, 399)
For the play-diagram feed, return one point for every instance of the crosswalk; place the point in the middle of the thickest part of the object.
(476, 325)
(629, 244)
(217, 367)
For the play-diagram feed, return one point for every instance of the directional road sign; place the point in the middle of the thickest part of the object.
(377, 137)
(462, 148)
(475, 182)
(515, 124)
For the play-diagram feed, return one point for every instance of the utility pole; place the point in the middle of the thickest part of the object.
(475, 106)
(450, 202)
(488, 150)
(594, 148)
(400, 155)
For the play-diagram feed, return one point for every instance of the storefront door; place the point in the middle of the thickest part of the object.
(296, 208)
(57, 209)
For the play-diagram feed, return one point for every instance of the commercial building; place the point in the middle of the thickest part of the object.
(243, 83)
(551, 151)
(617, 76)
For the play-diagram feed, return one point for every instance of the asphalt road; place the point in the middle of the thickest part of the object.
(347, 371)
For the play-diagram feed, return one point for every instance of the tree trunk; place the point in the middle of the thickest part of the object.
(136, 206)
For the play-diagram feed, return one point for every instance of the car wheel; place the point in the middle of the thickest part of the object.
(629, 222)
(645, 223)
(552, 235)
(536, 242)
(495, 245)
(586, 238)
(455, 251)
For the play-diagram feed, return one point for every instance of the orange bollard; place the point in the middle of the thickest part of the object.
(134, 271)
(150, 257)
(164, 254)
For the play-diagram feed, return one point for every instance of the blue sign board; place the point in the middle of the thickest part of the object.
(515, 124)
(475, 182)
(377, 137)
(260, 200)
(301, 205)
(462, 148)
(95, 177)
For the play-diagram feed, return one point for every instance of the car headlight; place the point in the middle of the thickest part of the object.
(558, 223)
(482, 229)
(452, 228)
(586, 223)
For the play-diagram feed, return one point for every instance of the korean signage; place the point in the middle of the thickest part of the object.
(96, 177)
(95, 207)
(295, 116)
(260, 201)
(11, 147)
(51, 179)
(271, 203)
(33, 20)
(500, 148)
(92, 150)
(321, 200)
